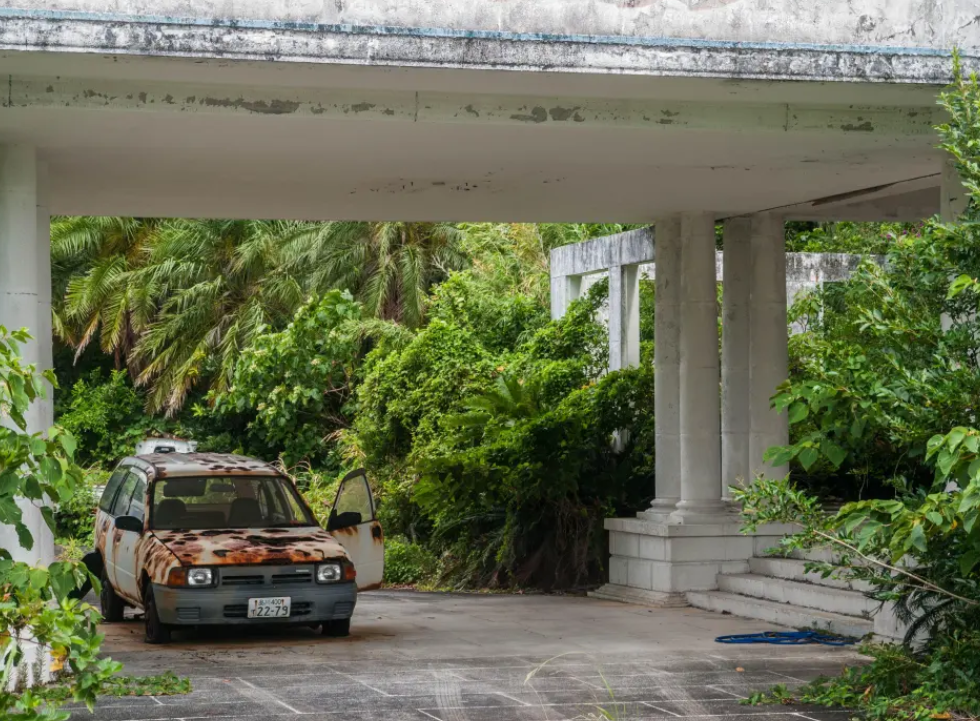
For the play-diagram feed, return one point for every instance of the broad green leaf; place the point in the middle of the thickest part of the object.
(68, 442)
(798, 412)
(834, 453)
(918, 537)
(24, 536)
(968, 561)
(935, 518)
(955, 437)
(807, 457)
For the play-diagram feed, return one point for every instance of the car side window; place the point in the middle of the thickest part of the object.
(120, 507)
(109, 494)
(137, 506)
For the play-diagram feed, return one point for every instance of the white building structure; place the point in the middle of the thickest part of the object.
(674, 112)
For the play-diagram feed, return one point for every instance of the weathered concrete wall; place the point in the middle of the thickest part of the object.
(905, 23)
(897, 40)
(804, 271)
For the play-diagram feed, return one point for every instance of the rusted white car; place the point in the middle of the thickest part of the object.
(203, 538)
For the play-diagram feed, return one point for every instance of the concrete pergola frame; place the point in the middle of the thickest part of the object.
(706, 441)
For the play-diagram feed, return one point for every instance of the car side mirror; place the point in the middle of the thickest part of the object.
(129, 523)
(343, 520)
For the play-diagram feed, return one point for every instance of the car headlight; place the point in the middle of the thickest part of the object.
(329, 573)
(200, 577)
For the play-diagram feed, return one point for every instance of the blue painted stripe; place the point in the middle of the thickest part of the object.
(503, 36)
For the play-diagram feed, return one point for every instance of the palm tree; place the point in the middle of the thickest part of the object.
(93, 260)
(177, 300)
(221, 281)
(388, 266)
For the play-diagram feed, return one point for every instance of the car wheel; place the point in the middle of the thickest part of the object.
(336, 629)
(112, 605)
(156, 631)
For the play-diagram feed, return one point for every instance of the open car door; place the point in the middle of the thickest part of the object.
(352, 522)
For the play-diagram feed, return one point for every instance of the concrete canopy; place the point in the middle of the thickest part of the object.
(265, 109)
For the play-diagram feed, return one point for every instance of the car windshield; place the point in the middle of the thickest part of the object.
(219, 502)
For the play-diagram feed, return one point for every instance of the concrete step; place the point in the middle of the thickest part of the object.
(780, 614)
(804, 595)
(822, 553)
(794, 569)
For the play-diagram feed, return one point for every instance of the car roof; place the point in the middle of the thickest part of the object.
(170, 465)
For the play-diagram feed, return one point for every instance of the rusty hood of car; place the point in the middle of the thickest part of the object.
(251, 546)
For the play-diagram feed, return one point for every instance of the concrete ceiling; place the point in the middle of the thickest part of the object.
(172, 137)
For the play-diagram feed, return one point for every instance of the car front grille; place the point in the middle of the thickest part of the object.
(235, 580)
(292, 579)
(273, 575)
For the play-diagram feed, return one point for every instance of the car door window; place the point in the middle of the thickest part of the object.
(109, 494)
(354, 504)
(138, 502)
(120, 507)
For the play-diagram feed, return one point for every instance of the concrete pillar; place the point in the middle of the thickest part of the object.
(735, 376)
(954, 197)
(24, 270)
(768, 338)
(667, 368)
(624, 317)
(700, 403)
(564, 289)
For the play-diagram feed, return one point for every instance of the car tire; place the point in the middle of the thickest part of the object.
(336, 629)
(112, 605)
(156, 630)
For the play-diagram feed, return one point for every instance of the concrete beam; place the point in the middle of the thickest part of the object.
(410, 106)
(905, 201)
(814, 42)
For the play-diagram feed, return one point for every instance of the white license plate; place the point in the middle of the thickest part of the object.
(269, 607)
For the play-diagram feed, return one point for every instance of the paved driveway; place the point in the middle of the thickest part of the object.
(447, 657)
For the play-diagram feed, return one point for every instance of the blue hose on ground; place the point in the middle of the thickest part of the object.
(789, 638)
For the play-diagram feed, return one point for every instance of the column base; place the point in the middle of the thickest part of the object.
(660, 510)
(638, 596)
(701, 512)
(658, 559)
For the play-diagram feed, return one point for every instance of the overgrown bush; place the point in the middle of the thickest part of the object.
(504, 458)
(42, 630)
(407, 562)
(106, 416)
(887, 390)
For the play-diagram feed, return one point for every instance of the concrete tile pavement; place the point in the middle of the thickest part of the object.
(454, 657)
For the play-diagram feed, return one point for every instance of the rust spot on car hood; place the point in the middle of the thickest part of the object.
(249, 546)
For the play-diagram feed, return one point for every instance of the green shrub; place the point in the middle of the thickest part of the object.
(75, 518)
(407, 562)
(107, 417)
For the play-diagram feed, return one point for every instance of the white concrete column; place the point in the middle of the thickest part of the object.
(953, 197)
(768, 338)
(700, 402)
(735, 376)
(624, 317)
(24, 269)
(667, 368)
(45, 333)
(564, 289)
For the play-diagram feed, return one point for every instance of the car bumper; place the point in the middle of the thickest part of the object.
(314, 603)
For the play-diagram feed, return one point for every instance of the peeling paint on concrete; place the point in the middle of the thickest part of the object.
(537, 115)
(271, 107)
